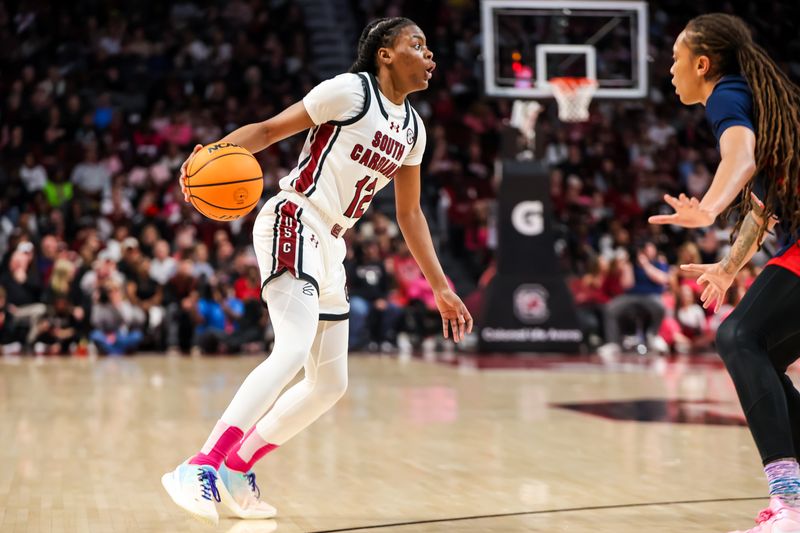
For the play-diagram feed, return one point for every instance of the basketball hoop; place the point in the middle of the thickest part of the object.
(573, 96)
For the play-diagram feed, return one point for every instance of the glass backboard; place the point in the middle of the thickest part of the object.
(527, 42)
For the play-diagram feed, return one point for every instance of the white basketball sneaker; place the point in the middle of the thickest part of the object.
(240, 494)
(777, 518)
(194, 488)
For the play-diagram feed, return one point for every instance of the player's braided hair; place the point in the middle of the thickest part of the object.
(378, 34)
(727, 42)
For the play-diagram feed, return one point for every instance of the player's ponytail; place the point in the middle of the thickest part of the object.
(727, 42)
(377, 34)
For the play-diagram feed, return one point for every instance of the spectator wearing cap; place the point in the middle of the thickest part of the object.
(131, 258)
(103, 270)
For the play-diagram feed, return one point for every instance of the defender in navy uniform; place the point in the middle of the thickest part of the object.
(754, 111)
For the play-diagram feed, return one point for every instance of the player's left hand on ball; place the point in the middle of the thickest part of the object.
(184, 166)
(454, 314)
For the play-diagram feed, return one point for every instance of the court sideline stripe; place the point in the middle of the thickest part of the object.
(546, 511)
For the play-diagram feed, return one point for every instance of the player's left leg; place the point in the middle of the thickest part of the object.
(767, 311)
(784, 349)
(324, 383)
(295, 315)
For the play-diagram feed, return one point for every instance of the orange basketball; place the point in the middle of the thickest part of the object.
(224, 181)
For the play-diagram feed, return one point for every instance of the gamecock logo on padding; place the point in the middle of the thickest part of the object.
(530, 304)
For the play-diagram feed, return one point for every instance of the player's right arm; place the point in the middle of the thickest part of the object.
(335, 99)
(259, 135)
(737, 149)
(718, 278)
(737, 165)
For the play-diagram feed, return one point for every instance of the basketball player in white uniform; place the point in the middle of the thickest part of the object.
(363, 134)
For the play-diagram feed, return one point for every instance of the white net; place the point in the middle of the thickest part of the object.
(573, 96)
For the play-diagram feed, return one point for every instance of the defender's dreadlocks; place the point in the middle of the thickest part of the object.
(727, 42)
(378, 34)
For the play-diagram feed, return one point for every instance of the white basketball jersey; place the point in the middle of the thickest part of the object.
(360, 142)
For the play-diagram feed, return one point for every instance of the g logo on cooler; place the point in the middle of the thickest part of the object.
(528, 217)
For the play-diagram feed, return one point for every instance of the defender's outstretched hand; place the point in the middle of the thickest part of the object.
(715, 282)
(688, 213)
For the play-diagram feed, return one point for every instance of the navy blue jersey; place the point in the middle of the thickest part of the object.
(731, 104)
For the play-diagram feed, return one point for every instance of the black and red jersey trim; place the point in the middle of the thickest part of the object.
(364, 109)
(305, 161)
(317, 153)
(320, 140)
(313, 186)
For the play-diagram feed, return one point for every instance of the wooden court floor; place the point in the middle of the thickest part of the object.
(414, 446)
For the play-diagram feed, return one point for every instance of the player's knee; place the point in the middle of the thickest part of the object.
(331, 391)
(730, 336)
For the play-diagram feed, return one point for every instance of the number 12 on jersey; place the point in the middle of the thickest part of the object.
(365, 190)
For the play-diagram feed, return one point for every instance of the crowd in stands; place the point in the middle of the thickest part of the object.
(100, 105)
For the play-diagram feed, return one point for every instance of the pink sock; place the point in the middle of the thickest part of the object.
(219, 444)
(245, 454)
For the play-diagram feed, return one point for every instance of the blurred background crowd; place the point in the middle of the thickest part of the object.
(100, 103)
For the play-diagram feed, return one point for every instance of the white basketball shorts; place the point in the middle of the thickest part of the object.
(291, 237)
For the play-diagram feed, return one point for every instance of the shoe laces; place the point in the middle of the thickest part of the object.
(208, 484)
(251, 480)
(764, 515)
